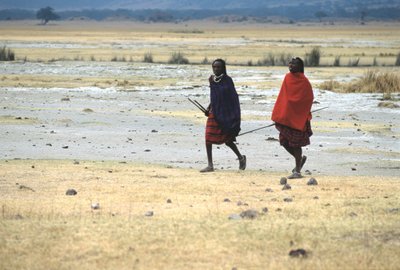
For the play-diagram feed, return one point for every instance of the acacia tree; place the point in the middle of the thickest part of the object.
(47, 14)
(320, 15)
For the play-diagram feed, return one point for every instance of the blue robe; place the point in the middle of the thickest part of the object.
(225, 105)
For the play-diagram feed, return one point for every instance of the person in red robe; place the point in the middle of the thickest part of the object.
(292, 115)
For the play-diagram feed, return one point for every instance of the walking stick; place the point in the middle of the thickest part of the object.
(274, 123)
(198, 105)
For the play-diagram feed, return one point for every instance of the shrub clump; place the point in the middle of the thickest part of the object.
(178, 58)
(6, 54)
(312, 58)
(148, 58)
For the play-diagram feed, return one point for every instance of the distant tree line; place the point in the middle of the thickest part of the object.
(305, 12)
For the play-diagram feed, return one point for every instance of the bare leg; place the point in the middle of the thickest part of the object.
(297, 153)
(234, 148)
(210, 166)
(242, 158)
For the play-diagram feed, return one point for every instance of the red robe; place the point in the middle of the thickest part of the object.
(293, 105)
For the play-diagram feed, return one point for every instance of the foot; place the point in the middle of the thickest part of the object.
(242, 163)
(207, 169)
(295, 175)
(303, 161)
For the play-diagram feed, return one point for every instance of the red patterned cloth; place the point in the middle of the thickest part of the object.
(293, 137)
(214, 133)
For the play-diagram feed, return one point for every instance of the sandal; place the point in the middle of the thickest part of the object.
(295, 175)
(207, 169)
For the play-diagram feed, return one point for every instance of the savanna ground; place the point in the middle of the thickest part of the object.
(348, 221)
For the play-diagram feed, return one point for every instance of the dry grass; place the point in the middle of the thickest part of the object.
(372, 81)
(352, 225)
(238, 43)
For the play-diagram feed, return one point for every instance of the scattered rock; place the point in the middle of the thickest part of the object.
(390, 105)
(154, 131)
(65, 99)
(296, 253)
(352, 214)
(87, 110)
(286, 187)
(149, 214)
(18, 217)
(288, 200)
(95, 206)
(265, 209)
(239, 203)
(71, 192)
(76, 162)
(227, 200)
(169, 201)
(307, 172)
(353, 169)
(312, 182)
(316, 198)
(278, 210)
(147, 150)
(249, 214)
(26, 187)
(234, 217)
(269, 190)
(283, 181)
(65, 147)
(271, 139)
(394, 210)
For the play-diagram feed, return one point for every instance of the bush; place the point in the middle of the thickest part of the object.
(376, 82)
(397, 63)
(148, 58)
(205, 61)
(353, 62)
(6, 54)
(336, 62)
(178, 58)
(312, 58)
(268, 60)
(330, 85)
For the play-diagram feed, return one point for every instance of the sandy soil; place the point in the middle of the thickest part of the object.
(158, 125)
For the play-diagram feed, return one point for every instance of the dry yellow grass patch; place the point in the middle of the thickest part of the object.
(235, 42)
(353, 224)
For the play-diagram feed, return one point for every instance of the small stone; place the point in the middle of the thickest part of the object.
(154, 131)
(316, 198)
(286, 187)
(278, 210)
(307, 172)
(95, 206)
(239, 203)
(312, 182)
(353, 169)
(265, 209)
(33, 166)
(283, 181)
(147, 150)
(352, 214)
(65, 147)
(249, 214)
(71, 192)
(269, 190)
(234, 217)
(169, 201)
(298, 253)
(76, 162)
(227, 200)
(149, 214)
(288, 200)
